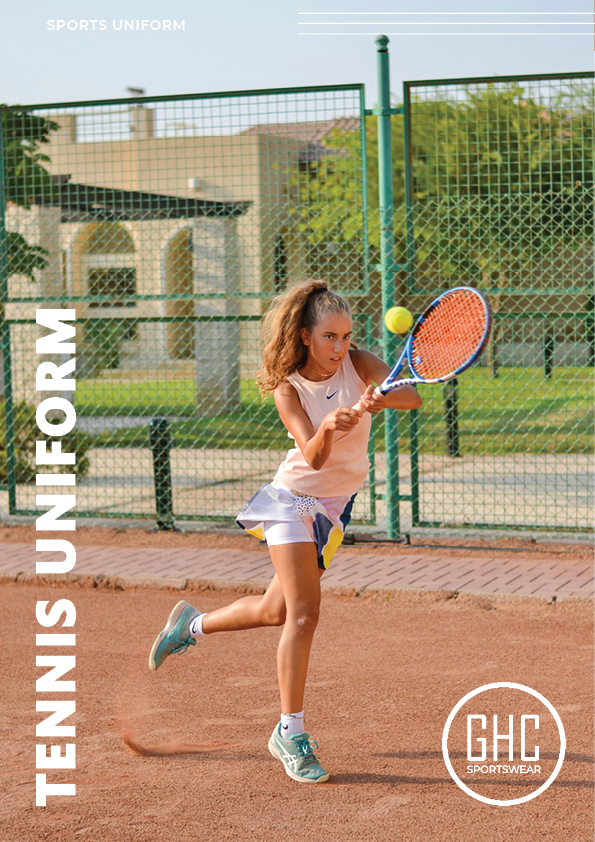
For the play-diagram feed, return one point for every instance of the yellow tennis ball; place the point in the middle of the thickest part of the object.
(398, 320)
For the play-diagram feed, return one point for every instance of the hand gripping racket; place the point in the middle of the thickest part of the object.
(448, 337)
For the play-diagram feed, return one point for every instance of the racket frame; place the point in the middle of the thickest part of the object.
(391, 381)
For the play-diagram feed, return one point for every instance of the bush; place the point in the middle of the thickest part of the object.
(102, 339)
(26, 433)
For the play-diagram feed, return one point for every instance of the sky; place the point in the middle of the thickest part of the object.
(232, 45)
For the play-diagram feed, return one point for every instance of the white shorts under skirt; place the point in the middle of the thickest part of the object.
(286, 532)
(278, 515)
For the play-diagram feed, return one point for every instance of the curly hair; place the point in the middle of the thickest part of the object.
(302, 305)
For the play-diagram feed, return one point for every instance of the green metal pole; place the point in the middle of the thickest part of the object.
(409, 228)
(387, 261)
(415, 520)
(364, 175)
(5, 338)
(369, 341)
(160, 443)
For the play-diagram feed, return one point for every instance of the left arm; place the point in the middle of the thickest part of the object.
(373, 370)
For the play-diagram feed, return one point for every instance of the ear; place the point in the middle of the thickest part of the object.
(305, 335)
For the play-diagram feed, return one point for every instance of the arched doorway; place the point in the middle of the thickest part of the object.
(103, 261)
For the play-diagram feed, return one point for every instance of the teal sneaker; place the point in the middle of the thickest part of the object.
(297, 756)
(175, 637)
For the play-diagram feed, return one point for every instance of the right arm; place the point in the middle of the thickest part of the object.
(315, 445)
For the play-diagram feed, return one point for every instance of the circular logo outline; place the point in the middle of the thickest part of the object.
(512, 686)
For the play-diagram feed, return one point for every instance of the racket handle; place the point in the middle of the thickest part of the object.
(359, 407)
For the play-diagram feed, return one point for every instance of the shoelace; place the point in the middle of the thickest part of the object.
(182, 648)
(305, 748)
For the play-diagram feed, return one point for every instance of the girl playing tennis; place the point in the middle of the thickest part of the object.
(316, 377)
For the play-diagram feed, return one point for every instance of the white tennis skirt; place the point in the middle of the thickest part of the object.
(280, 516)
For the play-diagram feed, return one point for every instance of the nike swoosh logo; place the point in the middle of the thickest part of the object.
(285, 727)
(328, 397)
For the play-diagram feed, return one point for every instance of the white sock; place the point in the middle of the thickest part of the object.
(291, 723)
(195, 626)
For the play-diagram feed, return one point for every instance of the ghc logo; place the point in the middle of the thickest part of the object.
(498, 737)
(478, 736)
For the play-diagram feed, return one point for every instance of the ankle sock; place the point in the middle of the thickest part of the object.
(195, 626)
(291, 723)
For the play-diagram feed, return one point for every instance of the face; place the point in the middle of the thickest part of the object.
(328, 344)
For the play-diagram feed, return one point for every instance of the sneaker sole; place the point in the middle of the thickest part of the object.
(275, 753)
(175, 613)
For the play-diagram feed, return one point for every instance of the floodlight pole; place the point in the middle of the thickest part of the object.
(388, 268)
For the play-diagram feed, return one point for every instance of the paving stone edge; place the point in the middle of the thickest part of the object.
(90, 581)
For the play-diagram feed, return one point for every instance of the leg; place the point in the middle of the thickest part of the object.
(299, 577)
(250, 612)
(247, 613)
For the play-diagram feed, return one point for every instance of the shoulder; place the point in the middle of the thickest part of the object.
(289, 406)
(368, 365)
(361, 358)
(285, 392)
(285, 388)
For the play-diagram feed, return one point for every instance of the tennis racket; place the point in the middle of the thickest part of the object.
(448, 337)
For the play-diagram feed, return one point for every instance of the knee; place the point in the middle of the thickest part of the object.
(305, 620)
(274, 616)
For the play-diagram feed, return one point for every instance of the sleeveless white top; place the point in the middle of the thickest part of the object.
(347, 466)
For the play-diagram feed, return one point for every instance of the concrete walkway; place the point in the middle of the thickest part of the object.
(561, 578)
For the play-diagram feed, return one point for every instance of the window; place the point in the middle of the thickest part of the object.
(119, 285)
(129, 331)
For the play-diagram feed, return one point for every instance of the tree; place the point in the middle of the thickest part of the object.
(504, 187)
(500, 182)
(25, 178)
(327, 188)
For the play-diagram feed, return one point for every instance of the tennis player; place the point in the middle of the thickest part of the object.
(316, 376)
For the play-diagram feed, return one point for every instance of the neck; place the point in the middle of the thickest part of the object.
(315, 370)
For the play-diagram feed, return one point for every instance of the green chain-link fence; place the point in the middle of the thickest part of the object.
(169, 223)
(499, 195)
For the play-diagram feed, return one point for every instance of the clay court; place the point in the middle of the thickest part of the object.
(386, 669)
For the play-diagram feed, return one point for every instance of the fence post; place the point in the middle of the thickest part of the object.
(369, 341)
(5, 338)
(414, 444)
(387, 262)
(451, 417)
(160, 442)
(548, 355)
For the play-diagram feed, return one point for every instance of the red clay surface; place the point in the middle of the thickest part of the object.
(383, 679)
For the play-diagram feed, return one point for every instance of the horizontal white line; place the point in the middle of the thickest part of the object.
(425, 34)
(444, 23)
(445, 13)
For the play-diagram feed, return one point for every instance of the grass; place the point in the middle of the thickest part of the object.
(518, 412)
(135, 397)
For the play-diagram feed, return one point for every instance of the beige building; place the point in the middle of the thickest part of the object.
(133, 221)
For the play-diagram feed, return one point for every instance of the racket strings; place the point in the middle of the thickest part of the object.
(450, 335)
